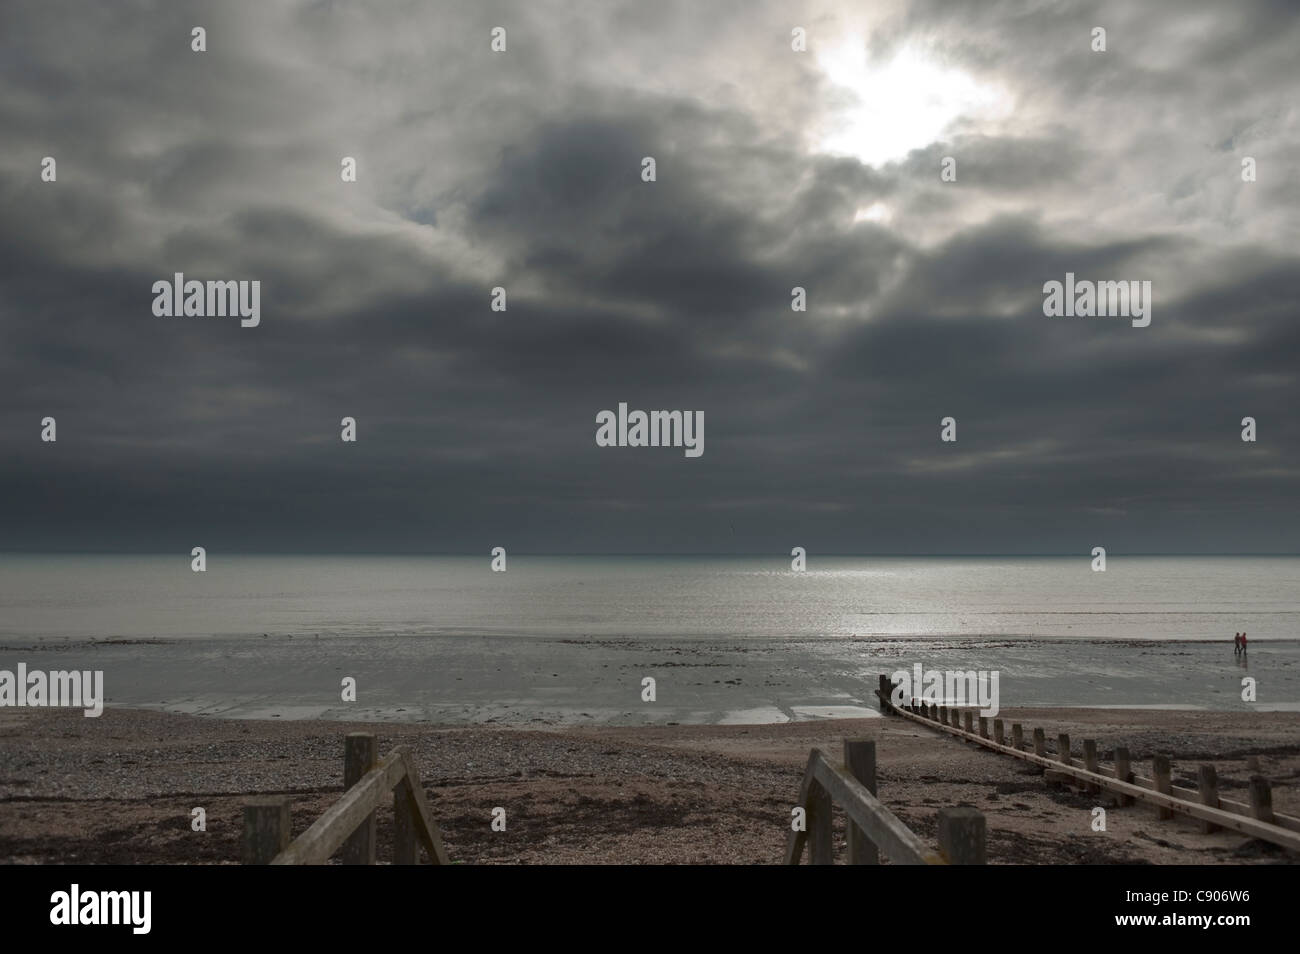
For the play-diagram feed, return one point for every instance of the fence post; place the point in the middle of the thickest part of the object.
(1261, 798)
(956, 718)
(1063, 748)
(1017, 736)
(860, 760)
(1207, 783)
(1161, 772)
(819, 825)
(266, 829)
(406, 850)
(984, 727)
(967, 720)
(1123, 772)
(1040, 743)
(943, 715)
(962, 835)
(359, 757)
(997, 731)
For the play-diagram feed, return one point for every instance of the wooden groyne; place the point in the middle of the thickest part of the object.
(1204, 803)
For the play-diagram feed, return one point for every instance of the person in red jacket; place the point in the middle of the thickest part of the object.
(1243, 644)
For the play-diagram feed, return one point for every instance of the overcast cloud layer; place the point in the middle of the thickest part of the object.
(522, 169)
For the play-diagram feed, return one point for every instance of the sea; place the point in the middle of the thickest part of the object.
(727, 638)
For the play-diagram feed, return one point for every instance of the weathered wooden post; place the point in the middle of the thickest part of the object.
(984, 727)
(962, 833)
(406, 849)
(359, 757)
(1040, 743)
(1161, 776)
(1063, 748)
(1261, 798)
(1090, 761)
(266, 829)
(968, 721)
(997, 731)
(956, 718)
(1207, 783)
(1017, 736)
(819, 825)
(943, 715)
(860, 760)
(1123, 772)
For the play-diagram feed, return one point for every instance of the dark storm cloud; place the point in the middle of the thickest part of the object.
(523, 170)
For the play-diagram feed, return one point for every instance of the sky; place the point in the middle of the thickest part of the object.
(774, 168)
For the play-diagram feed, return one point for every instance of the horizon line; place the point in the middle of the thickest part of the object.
(656, 553)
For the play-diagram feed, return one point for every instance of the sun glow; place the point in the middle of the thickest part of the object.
(880, 111)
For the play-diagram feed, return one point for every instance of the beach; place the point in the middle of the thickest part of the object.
(121, 788)
(628, 709)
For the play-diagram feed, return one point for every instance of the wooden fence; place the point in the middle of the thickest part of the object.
(873, 829)
(350, 823)
(1204, 803)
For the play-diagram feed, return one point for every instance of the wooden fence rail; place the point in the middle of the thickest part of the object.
(1256, 819)
(873, 829)
(350, 822)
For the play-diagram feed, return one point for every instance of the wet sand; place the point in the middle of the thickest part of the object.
(120, 789)
(545, 681)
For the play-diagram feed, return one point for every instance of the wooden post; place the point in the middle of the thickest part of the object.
(962, 835)
(1017, 735)
(956, 718)
(860, 760)
(266, 829)
(1207, 783)
(943, 715)
(1040, 743)
(359, 757)
(1090, 754)
(1063, 748)
(1123, 772)
(1090, 761)
(968, 720)
(819, 826)
(997, 731)
(406, 849)
(984, 727)
(1161, 775)
(1261, 798)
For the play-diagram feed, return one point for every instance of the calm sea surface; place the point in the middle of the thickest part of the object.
(1200, 598)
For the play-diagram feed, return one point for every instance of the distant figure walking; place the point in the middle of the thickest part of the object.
(1236, 644)
(1243, 644)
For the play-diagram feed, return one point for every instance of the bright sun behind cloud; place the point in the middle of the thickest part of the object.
(880, 111)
